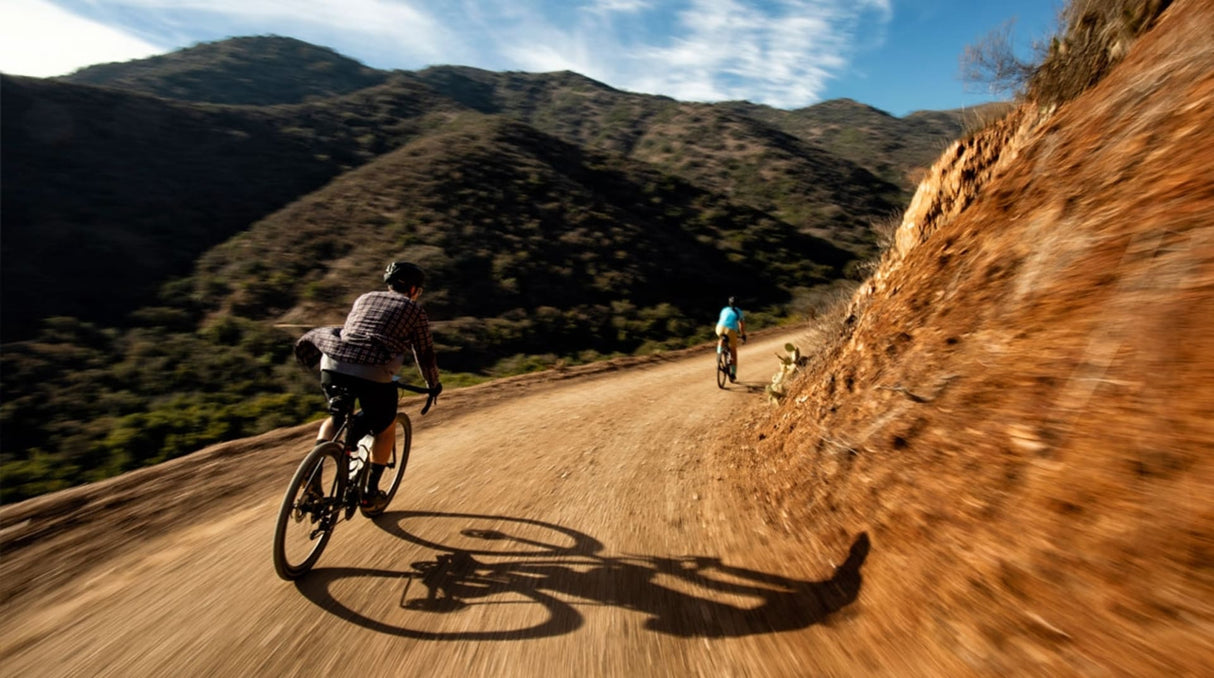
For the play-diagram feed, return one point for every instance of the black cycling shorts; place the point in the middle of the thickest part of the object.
(377, 400)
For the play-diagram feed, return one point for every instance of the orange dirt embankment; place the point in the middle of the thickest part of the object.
(1019, 405)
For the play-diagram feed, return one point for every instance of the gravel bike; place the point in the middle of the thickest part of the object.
(329, 483)
(724, 360)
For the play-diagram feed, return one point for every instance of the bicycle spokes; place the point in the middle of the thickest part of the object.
(309, 511)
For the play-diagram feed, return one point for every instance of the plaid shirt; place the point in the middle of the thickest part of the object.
(381, 326)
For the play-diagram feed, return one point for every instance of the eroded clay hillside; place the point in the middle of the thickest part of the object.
(1018, 407)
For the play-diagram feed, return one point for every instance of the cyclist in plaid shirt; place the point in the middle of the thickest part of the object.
(365, 353)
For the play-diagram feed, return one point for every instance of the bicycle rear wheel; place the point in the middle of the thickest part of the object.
(401, 443)
(309, 511)
(722, 367)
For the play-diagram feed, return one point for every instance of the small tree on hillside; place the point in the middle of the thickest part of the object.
(993, 64)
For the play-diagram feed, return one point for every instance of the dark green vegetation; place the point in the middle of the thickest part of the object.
(162, 223)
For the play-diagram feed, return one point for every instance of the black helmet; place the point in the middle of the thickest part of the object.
(401, 275)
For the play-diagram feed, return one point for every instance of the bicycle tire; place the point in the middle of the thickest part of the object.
(478, 601)
(402, 442)
(306, 521)
(722, 368)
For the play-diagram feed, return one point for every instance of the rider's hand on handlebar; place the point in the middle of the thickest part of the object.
(432, 396)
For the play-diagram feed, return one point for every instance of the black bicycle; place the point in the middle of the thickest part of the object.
(328, 486)
(724, 360)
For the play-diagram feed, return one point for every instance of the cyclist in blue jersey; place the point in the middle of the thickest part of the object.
(732, 324)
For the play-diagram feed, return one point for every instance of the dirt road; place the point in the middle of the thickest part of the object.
(585, 516)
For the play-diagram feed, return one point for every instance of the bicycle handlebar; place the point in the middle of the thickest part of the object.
(430, 400)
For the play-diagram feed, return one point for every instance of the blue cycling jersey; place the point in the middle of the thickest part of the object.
(730, 317)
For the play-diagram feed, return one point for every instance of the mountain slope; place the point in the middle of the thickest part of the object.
(105, 166)
(128, 190)
(131, 189)
(895, 149)
(757, 160)
(254, 71)
(516, 224)
(770, 170)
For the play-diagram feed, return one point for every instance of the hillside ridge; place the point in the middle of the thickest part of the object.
(251, 70)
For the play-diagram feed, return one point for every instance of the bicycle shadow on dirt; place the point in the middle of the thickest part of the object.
(490, 583)
(740, 386)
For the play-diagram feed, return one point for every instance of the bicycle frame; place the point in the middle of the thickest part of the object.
(724, 360)
(330, 481)
(356, 458)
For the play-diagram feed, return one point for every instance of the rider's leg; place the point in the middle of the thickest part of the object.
(379, 405)
(326, 431)
(733, 355)
(381, 450)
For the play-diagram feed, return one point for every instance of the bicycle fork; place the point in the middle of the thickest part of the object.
(317, 503)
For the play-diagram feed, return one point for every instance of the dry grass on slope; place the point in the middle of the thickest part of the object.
(1019, 407)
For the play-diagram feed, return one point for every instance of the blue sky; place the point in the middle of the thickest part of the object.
(897, 55)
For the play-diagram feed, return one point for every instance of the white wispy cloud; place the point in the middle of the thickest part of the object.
(42, 40)
(778, 52)
(611, 6)
(401, 29)
(782, 54)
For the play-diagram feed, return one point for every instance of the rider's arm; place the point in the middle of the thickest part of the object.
(423, 352)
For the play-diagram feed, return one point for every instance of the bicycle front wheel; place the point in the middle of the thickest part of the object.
(309, 511)
(402, 441)
(722, 368)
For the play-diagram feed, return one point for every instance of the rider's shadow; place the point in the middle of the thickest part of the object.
(684, 596)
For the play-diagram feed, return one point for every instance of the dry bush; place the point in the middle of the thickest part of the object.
(832, 327)
(993, 63)
(1096, 34)
(886, 231)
